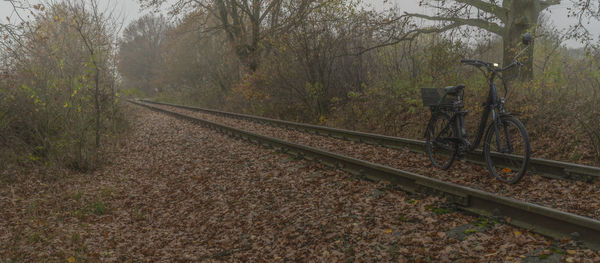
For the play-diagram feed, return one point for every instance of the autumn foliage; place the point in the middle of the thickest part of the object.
(346, 66)
(59, 88)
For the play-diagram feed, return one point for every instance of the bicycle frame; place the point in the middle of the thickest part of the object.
(494, 107)
(452, 138)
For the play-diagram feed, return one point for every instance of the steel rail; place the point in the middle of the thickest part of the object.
(546, 168)
(539, 219)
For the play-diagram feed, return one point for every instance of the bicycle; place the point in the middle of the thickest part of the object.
(506, 149)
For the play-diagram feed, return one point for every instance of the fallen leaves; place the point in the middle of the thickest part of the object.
(178, 192)
(569, 196)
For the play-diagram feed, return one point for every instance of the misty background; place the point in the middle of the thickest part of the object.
(130, 10)
(346, 64)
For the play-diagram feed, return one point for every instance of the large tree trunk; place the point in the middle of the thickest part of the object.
(522, 19)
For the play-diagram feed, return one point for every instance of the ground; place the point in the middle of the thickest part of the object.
(177, 192)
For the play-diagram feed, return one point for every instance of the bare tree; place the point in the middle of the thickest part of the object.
(17, 23)
(97, 30)
(11, 28)
(509, 19)
(246, 23)
(140, 50)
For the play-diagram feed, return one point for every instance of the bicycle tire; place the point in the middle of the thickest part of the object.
(502, 162)
(440, 156)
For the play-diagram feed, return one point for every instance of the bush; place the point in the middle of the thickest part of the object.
(59, 100)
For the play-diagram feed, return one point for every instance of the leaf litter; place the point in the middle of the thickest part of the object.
(178, 192)
(570, 196)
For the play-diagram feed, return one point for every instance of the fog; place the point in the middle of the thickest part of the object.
(130, 10)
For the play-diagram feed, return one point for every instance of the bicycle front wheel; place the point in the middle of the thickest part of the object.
(439, 142)
(507, 150)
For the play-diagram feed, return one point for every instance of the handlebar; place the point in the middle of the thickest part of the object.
(489, 66)
(477, 63)
(493, 67)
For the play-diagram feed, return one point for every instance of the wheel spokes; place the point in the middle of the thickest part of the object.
(508, 149)
(440, 147)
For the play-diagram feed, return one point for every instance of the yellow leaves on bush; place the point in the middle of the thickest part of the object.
(39, 7)
(59, 19)
(322, 119)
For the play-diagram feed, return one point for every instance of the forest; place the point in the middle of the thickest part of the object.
(337, 63)
(69, 67)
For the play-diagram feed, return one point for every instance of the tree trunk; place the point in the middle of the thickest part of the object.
(254, 54)
(97, 105)
(522, 18)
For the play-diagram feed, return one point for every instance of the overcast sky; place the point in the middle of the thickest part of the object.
(130, 11)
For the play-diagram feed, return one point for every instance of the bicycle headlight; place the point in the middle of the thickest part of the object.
(496, 65)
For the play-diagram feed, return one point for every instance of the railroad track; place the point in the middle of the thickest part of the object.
(543, 167)
(543, 220)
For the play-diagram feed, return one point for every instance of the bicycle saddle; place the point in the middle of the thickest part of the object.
(453, 90)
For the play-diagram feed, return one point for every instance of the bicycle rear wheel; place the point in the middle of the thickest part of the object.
(439, 142)
(507, 153)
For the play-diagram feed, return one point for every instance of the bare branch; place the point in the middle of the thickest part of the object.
(480, 23)
(549, 3)
(498, 11)
(408, 36)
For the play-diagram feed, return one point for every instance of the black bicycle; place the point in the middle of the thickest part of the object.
(506, 149)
